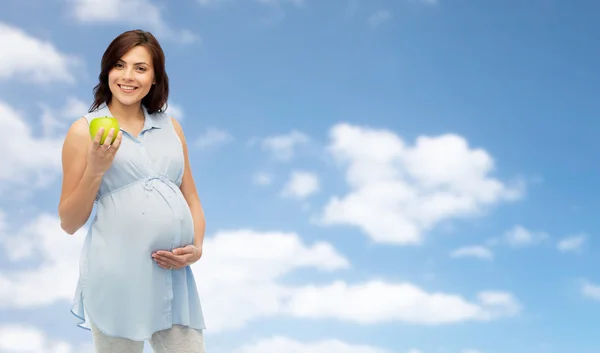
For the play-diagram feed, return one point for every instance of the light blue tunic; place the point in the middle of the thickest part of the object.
(139, 210)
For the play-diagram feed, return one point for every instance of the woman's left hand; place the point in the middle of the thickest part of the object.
(178, 258)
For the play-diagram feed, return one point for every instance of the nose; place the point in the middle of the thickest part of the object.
(127, 74)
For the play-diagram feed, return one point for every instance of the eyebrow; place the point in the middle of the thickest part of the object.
(138, 63)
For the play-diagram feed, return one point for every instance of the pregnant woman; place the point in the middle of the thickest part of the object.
(135, 281)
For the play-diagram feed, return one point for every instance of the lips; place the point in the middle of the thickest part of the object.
(126, 88)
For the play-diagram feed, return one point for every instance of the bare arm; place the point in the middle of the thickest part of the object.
(80, 182)
(188, 189)
(79, 188)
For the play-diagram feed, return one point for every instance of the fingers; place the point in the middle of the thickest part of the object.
(165, 264)
(98, 136)
(108, 140)
(162, 261)
(117, 142)
(108, 144)
(177, 261)
(183, 251)
(166, 259)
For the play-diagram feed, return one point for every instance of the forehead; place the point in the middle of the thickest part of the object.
(137, 54)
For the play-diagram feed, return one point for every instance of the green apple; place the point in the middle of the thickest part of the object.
(107, 122)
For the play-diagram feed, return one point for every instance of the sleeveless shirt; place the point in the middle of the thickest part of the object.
(139, 210)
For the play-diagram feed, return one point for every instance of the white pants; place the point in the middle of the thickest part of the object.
(178, 339)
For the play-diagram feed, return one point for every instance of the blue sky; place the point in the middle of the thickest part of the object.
(378, 176)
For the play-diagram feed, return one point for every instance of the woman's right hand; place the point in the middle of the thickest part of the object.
(100, 156)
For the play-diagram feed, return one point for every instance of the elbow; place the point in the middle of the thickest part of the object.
(68, 228)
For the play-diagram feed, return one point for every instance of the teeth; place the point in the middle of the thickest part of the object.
(127, 87)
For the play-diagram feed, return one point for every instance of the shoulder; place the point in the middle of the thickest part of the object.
(79, 126)
(177, 127)
(163, 119)
(76, 137)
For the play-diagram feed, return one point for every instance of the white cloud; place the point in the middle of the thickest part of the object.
(398, 192)
(74, 108)
(24, 339)
(301, 184)
(519, 236)
(405, 302)
(54, 278)
(31, 59)
(379, 17)
(242, 273)
(297, 3)
(241, 270)
(213, 137)
(33, 162)
(211, 2)
(175, 111)
(3, 223)
(146, 14)
(477, 251)
(279, 344)
(241, 282)
(262, 178)
(283, 147)
(59, 120)
(572, 243)
(590, 290)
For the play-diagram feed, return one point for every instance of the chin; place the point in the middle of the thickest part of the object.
(127, 101)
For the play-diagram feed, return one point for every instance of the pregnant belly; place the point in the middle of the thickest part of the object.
(136, 222)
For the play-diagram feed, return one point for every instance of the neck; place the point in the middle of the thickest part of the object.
(126, 112)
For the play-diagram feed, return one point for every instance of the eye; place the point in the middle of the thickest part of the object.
(118, 65)
(143, 69)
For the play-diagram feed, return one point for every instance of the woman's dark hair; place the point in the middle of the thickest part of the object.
(157, 97)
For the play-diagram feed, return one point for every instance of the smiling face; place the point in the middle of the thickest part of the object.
(132, 77)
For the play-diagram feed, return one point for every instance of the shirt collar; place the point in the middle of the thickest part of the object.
(150, 120)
